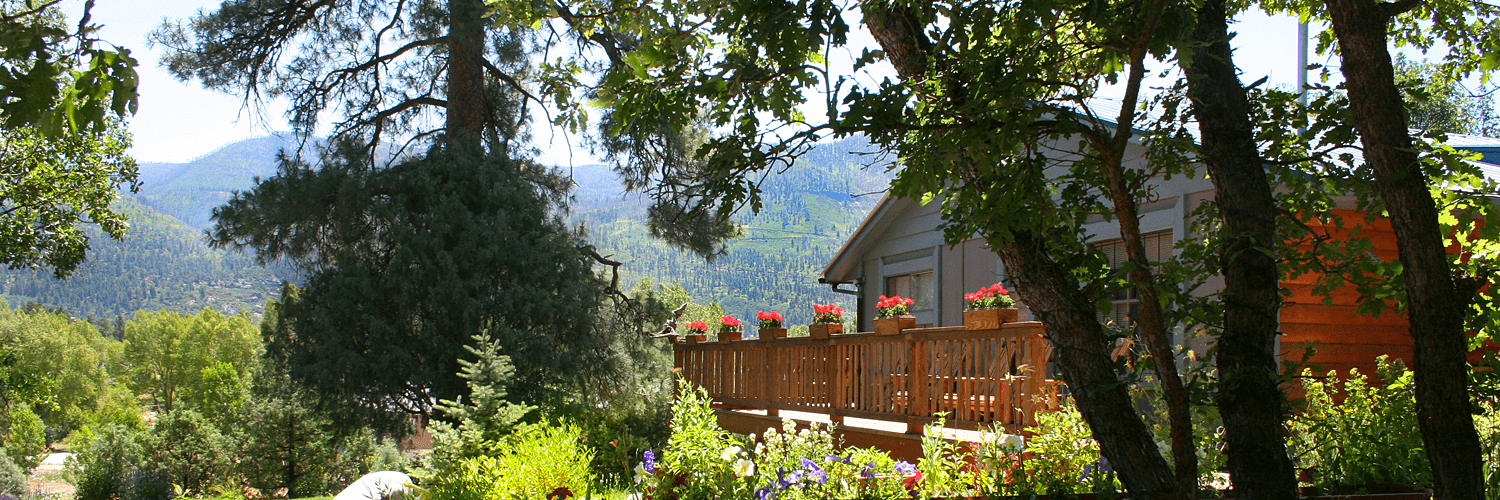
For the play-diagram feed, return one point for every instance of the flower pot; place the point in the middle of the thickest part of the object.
(769, 334)
(894, 325)
(695, 338)
(990, 318)
(728, 336)
(823, 330)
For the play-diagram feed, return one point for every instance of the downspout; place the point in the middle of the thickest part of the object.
(857, 292)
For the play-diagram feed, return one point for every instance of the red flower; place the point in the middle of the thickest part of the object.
(910, 482)
(561, 493)
(697, 327)
(728, 320)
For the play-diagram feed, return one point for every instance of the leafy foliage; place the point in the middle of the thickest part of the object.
(59, 81)
(1437, 102)
(543, 459)
(62, 144)
(195, 362)
(1361, 431)
(56, 185)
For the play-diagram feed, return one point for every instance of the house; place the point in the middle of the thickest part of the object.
(899, 250)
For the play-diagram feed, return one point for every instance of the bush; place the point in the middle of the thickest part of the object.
(27, 438)
(1370, 438)
(104, 460)
(12, 479)
(544, 459)
(189, 449)
(1060, 458)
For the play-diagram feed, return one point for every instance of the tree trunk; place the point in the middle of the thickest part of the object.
(466, 102)
(1434, 306)
(1083, 354)
(1053, 293)
(1250, 399)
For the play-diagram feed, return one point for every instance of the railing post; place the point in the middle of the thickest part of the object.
(772, 380)
(833, 382)
(916, 390)
(1036, 379)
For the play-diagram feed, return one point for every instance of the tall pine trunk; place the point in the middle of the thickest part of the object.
(1251, 402)
(1053, 294)
(466, 107)
(1434, 306)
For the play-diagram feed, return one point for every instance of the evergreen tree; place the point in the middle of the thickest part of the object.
(407, 263)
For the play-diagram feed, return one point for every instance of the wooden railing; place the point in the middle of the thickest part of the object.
(975, 377)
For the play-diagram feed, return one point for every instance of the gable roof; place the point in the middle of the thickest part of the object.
(847, 260)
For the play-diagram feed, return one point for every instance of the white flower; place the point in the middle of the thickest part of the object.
(1012, 442)
(729, 453)
(640, 473)
(744, 468)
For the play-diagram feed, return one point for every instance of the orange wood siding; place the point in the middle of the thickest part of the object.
(1343, 338)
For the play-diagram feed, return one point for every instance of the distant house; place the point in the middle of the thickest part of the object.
(899, 250)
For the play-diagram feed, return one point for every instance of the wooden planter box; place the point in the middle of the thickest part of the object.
(893, 326)
(769, 334)
(730, 336)
(695, 338)
(991, 318)
(823, 330)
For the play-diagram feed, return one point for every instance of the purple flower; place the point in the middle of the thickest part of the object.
(836, 458)
(814, 472)
(650, 464)
(793, 478)
(903, 467)
(765, 493)
(869, 471)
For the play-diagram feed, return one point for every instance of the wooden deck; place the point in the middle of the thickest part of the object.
(975, 377)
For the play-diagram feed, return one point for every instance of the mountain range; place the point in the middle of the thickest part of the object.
(164, 262)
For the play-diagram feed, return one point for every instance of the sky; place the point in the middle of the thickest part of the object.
(179, 121)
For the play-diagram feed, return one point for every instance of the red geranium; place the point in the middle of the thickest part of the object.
(889, 307)
(728, 324)
(771, 319)
(827, 313)
(697, 328)
(990, 296)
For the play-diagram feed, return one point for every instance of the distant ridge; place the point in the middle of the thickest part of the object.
(165, 263)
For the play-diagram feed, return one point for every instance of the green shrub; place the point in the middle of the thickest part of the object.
(544, 459)
(27, 438)
(12, 479)
(691, 466)
(1488, 425)
(189, 449)
(1059, 458)
(103, 461)
(1369, 438)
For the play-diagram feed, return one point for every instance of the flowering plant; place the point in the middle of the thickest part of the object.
(827, 313)
(697, 328)
(728, 324)
(890, 307)
(771, 319)
(990, 296)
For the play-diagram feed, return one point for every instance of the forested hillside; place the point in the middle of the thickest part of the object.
(810, 210)
(163, 263)
(189, 191)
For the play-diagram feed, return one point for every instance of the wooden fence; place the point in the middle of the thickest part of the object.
(976, 377)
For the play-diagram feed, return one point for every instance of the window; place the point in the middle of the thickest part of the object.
(1123, 298)
(915, 286)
